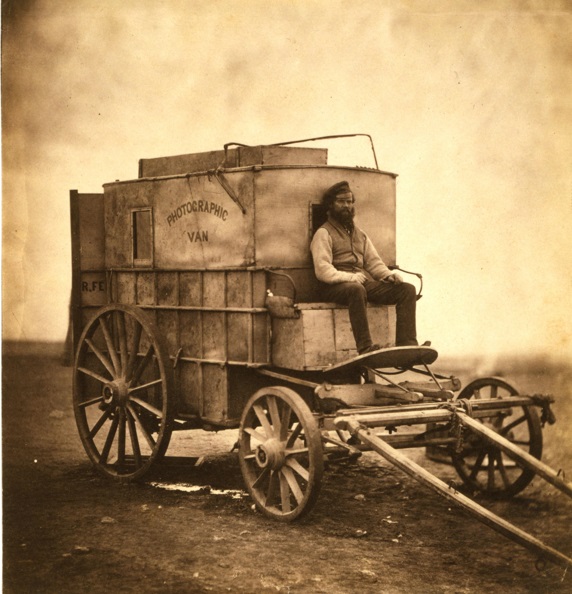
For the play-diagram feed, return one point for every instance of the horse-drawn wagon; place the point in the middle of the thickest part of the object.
(195, 305)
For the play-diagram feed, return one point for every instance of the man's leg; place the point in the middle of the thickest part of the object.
(404, 297)
(355, 297)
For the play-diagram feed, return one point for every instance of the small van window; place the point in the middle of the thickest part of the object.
(319, 216)
(142, 225)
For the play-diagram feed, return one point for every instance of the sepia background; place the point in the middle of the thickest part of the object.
(470, 107)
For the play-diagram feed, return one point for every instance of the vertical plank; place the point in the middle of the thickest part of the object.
(213, 289)
(288, 343)
(190, 392)
(190, 333)
(260, 337)
(212, 335)
(344, 336)
(125, 287)
(238, 336)
(75, 309)
(239, 288)
(215, 390)
(167, 288)
(167, 323)
(190, 288)
(258, 288)
(319, 339)
(145, 288)
(380, 326)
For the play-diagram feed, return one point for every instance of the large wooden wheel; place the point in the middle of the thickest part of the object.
(123, 392)
(481, 465)
(280, 453)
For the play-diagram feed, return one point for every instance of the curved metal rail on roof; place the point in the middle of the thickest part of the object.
(228, 144)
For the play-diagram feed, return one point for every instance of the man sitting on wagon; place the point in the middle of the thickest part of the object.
(351, 272)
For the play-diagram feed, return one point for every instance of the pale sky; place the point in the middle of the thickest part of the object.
(469, 102)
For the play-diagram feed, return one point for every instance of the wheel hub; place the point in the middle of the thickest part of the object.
(115, 393)
(270, 454)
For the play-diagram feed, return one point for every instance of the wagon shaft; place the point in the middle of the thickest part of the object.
(358, 426)
(522, 458)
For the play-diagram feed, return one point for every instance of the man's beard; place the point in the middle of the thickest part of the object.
(345, 217)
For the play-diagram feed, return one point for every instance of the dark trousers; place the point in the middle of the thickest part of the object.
(356, 296)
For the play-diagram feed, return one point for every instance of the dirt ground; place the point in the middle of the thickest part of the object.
(66, 529)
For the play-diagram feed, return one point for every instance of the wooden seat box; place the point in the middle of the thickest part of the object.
(321, 335)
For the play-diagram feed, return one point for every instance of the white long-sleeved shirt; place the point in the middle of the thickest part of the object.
(339, 254)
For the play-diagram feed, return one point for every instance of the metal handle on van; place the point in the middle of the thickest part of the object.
(417, 274)
(286, 276)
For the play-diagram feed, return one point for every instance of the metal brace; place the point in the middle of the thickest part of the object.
(219, 176)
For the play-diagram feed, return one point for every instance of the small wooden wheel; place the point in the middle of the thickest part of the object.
(280, 453)
(481, 465)
(123, 392)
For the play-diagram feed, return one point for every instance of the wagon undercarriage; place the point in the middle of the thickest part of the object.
(491, 434)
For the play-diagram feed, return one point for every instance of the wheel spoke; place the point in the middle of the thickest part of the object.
(110, 345)
(134, 439)
(293, 484)
(109, 441)
(284, 494)
(104, 360)
(294, 435)
(90, 402)
(146, 435)
(297, 467)
(261, 477)
(521, 442)
(272, 484)
(261, 415)
(504, 430)
(94, 375)
(134, 351)
(95, 429)
(120, 320)
(502, 470)
(148, 407)
(145, 386)
(142, 364)
(274, 415)
(478, 464)
(285, 422)
(121, 439)
(253, 433)
(491, 472)
(494, 391)
(292, 452)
